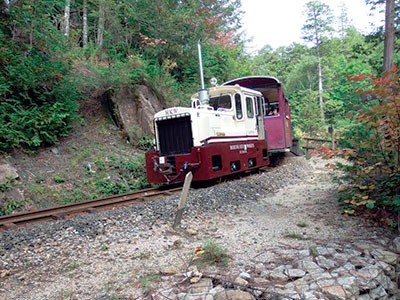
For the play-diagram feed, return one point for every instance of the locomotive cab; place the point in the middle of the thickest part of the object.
(222, 136)
(277, 119)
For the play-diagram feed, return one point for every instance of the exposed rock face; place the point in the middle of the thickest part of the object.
(7, 173)
(134, 109)
(8, 194)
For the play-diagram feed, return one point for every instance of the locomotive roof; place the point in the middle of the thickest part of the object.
(227, 89)
(254, 81)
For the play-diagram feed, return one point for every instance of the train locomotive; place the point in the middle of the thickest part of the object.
(228, 129)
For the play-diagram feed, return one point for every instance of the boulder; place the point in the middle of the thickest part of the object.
(14, 195)
(204, 285)
(7, 173)
(234, 295)
(335, 292)
(396, 244)
(325, 262)
(295, 273)
(386, 256)
(133, 110)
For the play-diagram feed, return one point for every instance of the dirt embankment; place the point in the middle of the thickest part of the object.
(102, 155)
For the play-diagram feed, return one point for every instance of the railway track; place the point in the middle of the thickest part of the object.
(69, 210)
(65, 211)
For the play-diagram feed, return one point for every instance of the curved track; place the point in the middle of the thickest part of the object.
(60, 212)
(70, 210)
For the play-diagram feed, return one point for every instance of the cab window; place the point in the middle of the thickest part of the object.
(250, 107)
(222, 102)
(272, 109)
(238, 104)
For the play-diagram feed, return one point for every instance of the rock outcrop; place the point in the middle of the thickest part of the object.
(133, 110)
(9, 190)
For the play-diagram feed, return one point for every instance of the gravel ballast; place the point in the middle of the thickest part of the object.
(122, 252)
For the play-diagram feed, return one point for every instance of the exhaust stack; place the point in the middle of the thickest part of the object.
(203, 93)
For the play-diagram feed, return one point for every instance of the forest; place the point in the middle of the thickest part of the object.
(54, 53)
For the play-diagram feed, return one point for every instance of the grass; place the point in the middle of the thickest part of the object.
(302, 224)
(296, 236)
(65, 295)
(73, 265)
(58, 179)
(104, 248)
(147, 282)
(313, 250)
(212, 253)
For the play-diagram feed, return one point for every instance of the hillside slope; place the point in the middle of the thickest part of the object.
(98, 158)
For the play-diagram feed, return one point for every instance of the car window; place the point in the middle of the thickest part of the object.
(238, 104)
(272, 109)
(250, 107)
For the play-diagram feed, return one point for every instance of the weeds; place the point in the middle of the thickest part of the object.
(9, 208)
(212, 253)
(302, 224)
(8, 185)
(147, 282)
(313, 250)
(58, 179)
(40, 179)
(296, 236)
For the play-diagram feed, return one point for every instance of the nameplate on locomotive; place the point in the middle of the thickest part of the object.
(170, 112)
(241, 146)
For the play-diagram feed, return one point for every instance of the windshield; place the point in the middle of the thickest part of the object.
(222, 102)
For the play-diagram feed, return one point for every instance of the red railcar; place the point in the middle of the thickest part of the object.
(277, 120)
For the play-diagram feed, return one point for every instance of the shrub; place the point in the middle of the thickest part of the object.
(9, 208)
(373, 176)
(38, 99)
(58, 179)
(212, 253)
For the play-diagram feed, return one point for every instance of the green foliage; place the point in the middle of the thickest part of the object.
(74, 196)
(305, 112)
(302, 224)
(38, 98)
(132, 177)
(212, 253)
(58, 179)
(374, 175)
(318, 23)
(147, 282)
(296, 236)
(10, 207)
(6, 186)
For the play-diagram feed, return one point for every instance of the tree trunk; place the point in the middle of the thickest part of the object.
(389, 36)
(85, 25)
(66, 17)
(100, 26)
(8, 4)
(320, 88)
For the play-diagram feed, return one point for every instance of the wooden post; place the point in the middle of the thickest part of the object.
(183, 200)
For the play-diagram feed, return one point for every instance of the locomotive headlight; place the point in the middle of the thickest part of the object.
(161, 160)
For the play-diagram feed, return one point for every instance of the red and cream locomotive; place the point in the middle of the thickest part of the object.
(225, 131)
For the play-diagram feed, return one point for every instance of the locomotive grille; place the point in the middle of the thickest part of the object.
(175, 135)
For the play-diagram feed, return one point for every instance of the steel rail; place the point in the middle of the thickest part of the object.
(11, 221)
